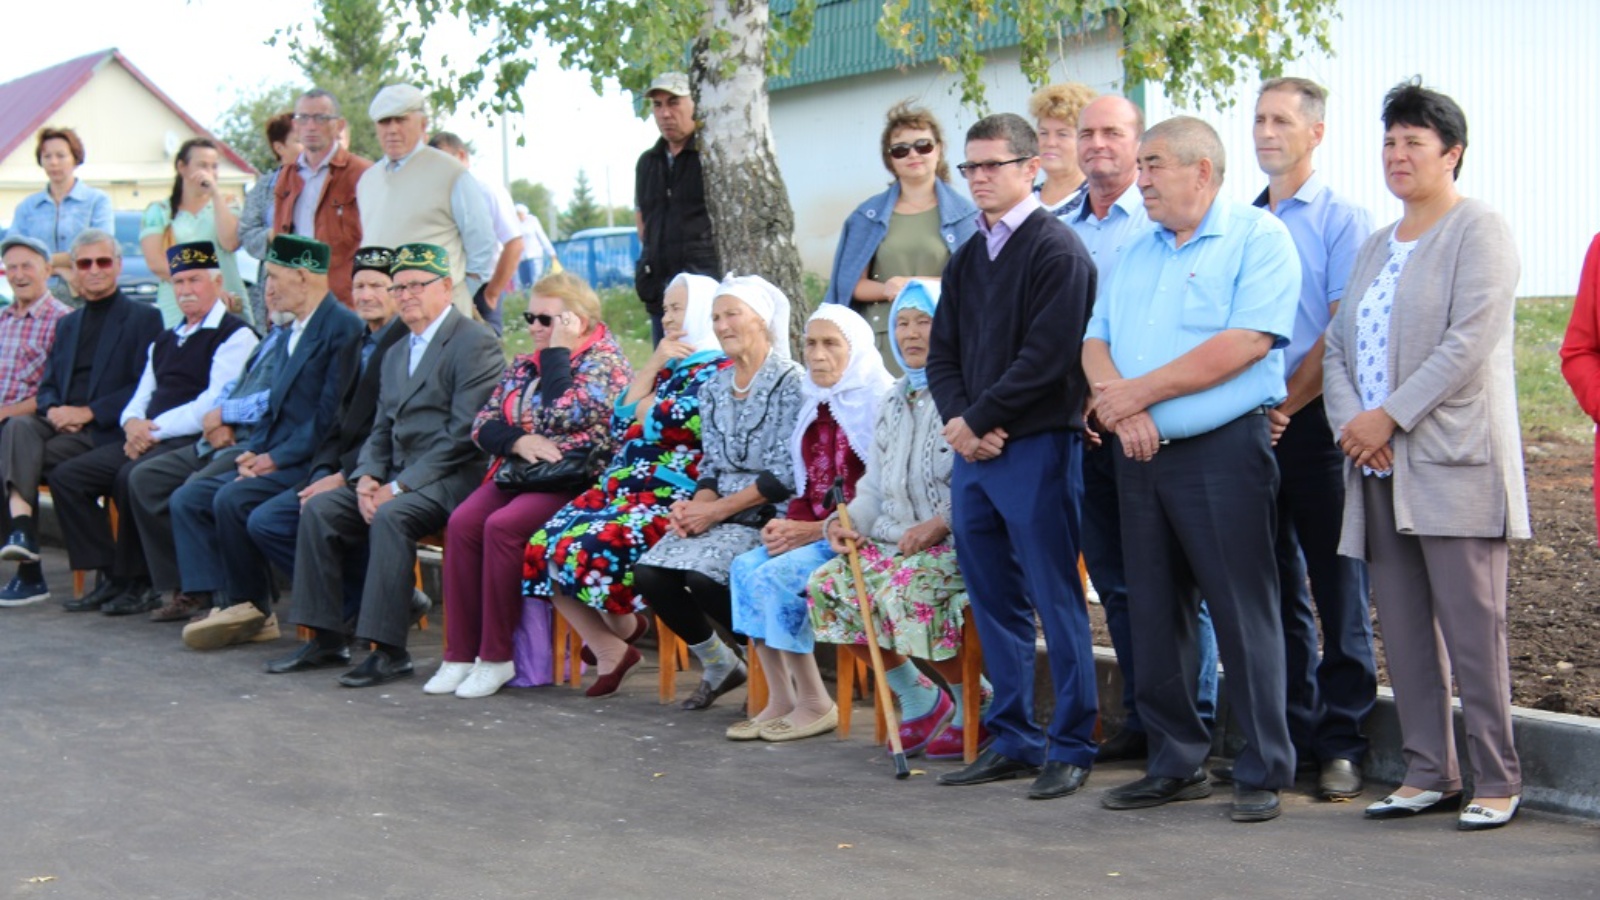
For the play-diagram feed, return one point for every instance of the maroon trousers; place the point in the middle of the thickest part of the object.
(483, 569)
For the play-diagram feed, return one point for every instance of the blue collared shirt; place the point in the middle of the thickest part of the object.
(1327, 231)
(1125, 222)
(1239, 270)
(995, 238)
(38, 216)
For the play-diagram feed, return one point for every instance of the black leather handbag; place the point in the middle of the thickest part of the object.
(574, 472)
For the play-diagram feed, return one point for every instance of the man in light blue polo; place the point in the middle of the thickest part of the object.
(1111, 217)
(1180, 356)
(1330, 699)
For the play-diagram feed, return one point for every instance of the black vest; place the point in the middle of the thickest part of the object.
(183, 370)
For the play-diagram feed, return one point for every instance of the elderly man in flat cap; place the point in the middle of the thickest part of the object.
(186, 370)
(91, 372)
(417, 194)
(418, 464)
(27, 331)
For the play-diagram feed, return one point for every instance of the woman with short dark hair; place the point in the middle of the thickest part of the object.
(1420, 387)
(906, 232)
(65, 207)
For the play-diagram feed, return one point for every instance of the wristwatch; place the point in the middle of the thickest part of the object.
(396, 488)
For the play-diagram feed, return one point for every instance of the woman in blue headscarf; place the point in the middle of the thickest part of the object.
(901, 514)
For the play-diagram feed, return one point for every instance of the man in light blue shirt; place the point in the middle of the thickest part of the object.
(1328, 699)
(1181, 363)
(1111, 218)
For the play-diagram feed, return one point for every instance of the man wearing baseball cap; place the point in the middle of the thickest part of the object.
(27, 332)
(669, 200)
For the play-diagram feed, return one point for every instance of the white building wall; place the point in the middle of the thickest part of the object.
(1525, 74)
(827, 134)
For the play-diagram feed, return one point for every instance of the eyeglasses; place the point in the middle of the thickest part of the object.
(319, 118)
(923, 146)
(413, 288)
(538, 319)
(87, 263)
(968, 169)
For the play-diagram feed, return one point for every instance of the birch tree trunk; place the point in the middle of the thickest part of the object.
(745, 193)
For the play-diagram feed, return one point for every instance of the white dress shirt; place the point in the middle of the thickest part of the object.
(226, 365)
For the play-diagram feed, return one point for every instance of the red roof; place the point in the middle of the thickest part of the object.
(27, 103)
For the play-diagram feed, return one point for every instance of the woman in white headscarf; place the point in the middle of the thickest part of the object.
(582, 560)
(747, 413)
(845, 381)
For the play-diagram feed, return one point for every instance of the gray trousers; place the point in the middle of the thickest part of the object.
(1442, 600)
(150, 487)
(30, 447)
(333, 534)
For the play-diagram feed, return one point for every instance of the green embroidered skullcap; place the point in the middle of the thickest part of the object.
(421, 257)
(196, 255)
(296, 251)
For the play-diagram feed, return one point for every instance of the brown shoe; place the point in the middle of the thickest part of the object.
(234, 624)
(181, 608)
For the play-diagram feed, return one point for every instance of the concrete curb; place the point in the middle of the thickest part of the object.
(1560, 753)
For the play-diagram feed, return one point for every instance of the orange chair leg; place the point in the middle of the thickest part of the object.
(566, 650)
(844, 667)
(674, 659)
(756, 688)
(971, 658)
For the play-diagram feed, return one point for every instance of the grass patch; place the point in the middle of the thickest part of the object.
(1544, 401)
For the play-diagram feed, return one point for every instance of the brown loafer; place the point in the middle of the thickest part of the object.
(181, 608)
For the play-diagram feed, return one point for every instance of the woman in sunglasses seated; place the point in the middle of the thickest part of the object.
(906, 232)
(552, 404)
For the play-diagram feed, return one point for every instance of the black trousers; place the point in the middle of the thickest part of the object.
(1199, 520)
(687, 601)
(76, 487)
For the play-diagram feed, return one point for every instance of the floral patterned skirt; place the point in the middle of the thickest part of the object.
(918, 601)
(588, 549)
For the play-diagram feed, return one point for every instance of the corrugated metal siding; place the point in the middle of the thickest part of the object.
(1524, 73)
(845, 42)
(827, 133)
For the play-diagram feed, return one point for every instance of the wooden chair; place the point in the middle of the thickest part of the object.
(674, 655)
(566, 652)
(852, 671)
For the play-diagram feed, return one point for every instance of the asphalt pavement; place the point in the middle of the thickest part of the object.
(136, 768)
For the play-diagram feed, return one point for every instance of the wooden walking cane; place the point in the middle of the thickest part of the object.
(864, 603)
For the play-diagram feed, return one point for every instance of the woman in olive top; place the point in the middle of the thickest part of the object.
(906, 232)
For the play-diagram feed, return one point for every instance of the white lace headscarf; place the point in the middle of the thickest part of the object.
(853, 399)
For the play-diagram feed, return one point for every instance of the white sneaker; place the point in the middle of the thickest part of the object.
(487, 678)
(448, 678)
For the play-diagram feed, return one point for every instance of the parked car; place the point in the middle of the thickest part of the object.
(137, 280)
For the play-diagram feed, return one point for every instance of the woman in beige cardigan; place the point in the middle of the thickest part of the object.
(1419, 384)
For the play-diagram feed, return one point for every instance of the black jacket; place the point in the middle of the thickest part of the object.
(130, 326)
(671, 199)
(358, 402)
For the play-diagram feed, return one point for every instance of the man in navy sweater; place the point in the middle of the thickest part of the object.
(1003, 368)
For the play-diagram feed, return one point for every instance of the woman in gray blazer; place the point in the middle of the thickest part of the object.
(1419, 384)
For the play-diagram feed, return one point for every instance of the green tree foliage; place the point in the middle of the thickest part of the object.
(538, 200)
(351, 51)
(583, 211)
(243, 125)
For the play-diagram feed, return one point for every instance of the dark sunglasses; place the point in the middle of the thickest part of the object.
(923, 146)
(84, 265)
(538, 319)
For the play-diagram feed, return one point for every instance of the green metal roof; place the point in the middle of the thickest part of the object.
(845, 41)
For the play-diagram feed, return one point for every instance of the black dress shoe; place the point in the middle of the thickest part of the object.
(311, 655)
(134, 601)
(1058, 779)
(20, 548)
(420, 604)
(1128, 744)
(990, 765)
(1340, 780)
(705, 694)
(1254, 804)
(1222, 774)
(376, 669)
(106, 591)
(1156, 790)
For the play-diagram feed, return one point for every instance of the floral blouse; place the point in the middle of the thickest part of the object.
(565, 398)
